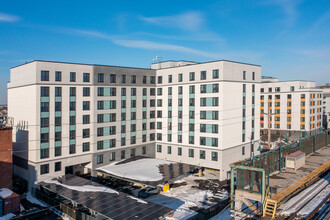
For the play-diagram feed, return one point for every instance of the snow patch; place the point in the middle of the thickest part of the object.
(33, 200)
(85, 188)
(137, 199)
(8, 216)
(4, 192)
(21, 207)
(142, 170)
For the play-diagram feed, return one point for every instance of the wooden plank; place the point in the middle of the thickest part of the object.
(302, 183)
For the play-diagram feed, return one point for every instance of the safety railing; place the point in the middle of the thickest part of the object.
(253, 174)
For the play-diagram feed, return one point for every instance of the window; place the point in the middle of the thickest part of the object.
(44, 122)
(133, 91)
(144, 91)
(144, 150)
(123, 78)
(243, 150)
(152, 91)
(179, 138)
(243, 137)
(72, 76)
(244, 88)
(100, 91)
(253, 75)
(292, 88)
(72, 91)
(85, 147)
(72, 149)
(191, 152)
(44, 137)
(132, 151)
(85, 133)
(122, 154)
(44, 91)
(169, 150)
(215, 74)
(86, 119)
(159, 125)
(215, 88)
(159, 148)
(58, 136)
(86, 105)
(244, 74)
(133, 139)
(160, 79)
(86, 77)
(58, 106)
(191, 139)
(144, 80)
(159, 136)
(180, 77)
(58, 76)
(203, 88)
(191, 89)
(99, 158)
(180, 90)
(123, 141)
(72, 120)
(58, 151)
(86, 91)
(215, 129)
(112, 156)
(44, 153)
(133, 79)
(203, 75)
(58, 91)
(133, 103)
(57, 166)
(191, 76)
(152, 80)
(72, 106)
(44, 169)
(112, 78)
(202, 154)
(277, 89)
(169, 78)
(100, 77)
(159, 91)
(179, 151)
(191, 114)
(44, 75)
(214, 156)
(191, 101)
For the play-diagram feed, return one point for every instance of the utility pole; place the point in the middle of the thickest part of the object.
(269, 114)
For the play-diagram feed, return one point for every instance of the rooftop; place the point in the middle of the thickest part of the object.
(108, 202)
(147, 171)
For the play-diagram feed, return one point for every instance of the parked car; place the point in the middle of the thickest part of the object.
(148, 191)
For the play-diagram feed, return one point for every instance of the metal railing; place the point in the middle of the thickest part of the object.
(253, 174)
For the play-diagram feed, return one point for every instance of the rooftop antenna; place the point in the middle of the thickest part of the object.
(157, 59)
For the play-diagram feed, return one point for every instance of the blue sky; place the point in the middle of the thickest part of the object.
(289, 38)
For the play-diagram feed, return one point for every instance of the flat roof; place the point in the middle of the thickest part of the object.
(147, 171)
(108, 202)
(195, 63)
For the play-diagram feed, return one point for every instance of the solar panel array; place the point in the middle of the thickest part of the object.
(112, 205)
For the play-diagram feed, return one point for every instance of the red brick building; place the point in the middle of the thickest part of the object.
(6, 161)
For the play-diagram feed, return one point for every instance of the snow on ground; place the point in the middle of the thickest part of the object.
(8, 216)
(32, 199)
(4, 192)
(142, 170)
(21, 207)
(182, 198)
(85, 188)
(295, 203)
(137, 199)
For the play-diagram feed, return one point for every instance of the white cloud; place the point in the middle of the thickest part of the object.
(187, 21)
(149, 45)
(8, 18)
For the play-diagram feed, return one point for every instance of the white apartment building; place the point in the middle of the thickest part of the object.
(295, 107)
(326, 104)
(74, 118)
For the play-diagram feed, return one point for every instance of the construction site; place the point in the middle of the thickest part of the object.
(289, 182)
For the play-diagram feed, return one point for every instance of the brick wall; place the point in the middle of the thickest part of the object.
(6, 162)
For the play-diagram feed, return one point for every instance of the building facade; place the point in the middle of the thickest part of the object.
(6, 161)
(295, 108)
(73, 118)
